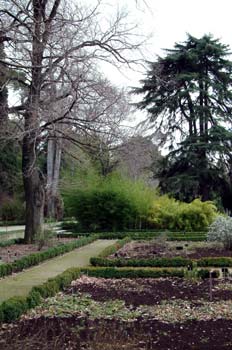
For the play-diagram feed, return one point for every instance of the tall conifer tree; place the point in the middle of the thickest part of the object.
(187, 94)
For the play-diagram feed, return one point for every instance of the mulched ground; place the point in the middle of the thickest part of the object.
(17, 251)
(75, 333)
(147, 250)
(78, 332)
(149, 291)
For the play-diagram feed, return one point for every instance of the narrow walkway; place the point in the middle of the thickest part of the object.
(21, 283)
(7, 229)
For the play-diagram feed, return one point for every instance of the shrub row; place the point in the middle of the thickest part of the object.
(36, 258)
(114, 247)
(152, 235)
(180, 236)
(159, 262)
(11, 242)
(162, 262)
(14, 307)
(75, 228)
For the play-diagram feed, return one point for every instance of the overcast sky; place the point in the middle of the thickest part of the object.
(170, 20)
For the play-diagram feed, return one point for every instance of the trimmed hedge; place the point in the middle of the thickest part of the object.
(13, 308)
(114, 247)
(171, 236)
(152, 235)
(162, 262)
(36, 258)
(159, 262)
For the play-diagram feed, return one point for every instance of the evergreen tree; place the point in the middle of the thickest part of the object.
(188, 94)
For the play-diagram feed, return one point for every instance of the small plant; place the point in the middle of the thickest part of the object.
(221, 231)
(191, 273)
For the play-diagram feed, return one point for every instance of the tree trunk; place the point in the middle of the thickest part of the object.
(53, 173)
(34, 191)
(3, 89)
(50, 170)
(32, 178)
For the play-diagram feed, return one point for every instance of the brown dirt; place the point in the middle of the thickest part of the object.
(17, 251)
(149, 291)
(147, 250)
(75, 333)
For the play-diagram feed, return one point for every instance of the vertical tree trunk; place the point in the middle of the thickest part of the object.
(34, 191)
(32, 178)
(3, 89)
(50, 171)
(53, 173)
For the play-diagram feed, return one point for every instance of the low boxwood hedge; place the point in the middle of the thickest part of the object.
(143, 235)
(162, 262)
(13, 308)
(36, 258)
(158, 262)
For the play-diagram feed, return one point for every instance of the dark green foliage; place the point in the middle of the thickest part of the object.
(71, 225)
(188, 93)
(36, 258)
(144, 235)
(215, 262)
(171, 236)
(10, 167)
(113, 272)
(103, 210)
(162, 262)
(34, 298)
(203, 273)
(12, 210)
(12, 308)
(158, 262)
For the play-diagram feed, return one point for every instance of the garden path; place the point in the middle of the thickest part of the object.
(21, 283)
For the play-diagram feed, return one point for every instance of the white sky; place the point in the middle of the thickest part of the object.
(170, 20)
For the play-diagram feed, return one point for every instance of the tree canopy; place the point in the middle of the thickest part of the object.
(187, 94)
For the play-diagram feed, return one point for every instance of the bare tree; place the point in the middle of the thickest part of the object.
(46, 39)
(138, 155)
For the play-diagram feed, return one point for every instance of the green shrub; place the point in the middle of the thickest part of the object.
(12, 210)
(108, 203)
(193, 236)
(158, 262)
(162, 262)
(168, 213)
(34, 298)
(103, 210)
(114, 272)
(13, 308)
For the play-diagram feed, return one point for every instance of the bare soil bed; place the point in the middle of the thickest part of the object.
(149, 291)
(16, 251)
(173, 314)
(156, 249)
(75, 333)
